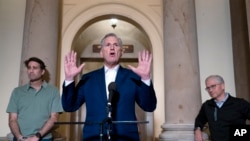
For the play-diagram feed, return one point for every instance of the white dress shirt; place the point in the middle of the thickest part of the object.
(110, 75)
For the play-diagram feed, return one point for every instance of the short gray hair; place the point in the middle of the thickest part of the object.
(111, 35)
(218, 78)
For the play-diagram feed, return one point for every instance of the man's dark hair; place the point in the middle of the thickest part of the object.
(35, 59)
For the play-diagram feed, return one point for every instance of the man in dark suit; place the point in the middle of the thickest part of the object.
(131, 86)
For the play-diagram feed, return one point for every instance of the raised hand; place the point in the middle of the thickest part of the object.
(144, 65)
(70, 68)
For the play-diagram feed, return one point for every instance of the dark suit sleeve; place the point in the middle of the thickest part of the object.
(71, 101)
(146, 97)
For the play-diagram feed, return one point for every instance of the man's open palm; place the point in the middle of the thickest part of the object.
(70, 68)
(144, 65)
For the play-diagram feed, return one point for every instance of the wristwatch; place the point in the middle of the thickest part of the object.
(38, 135)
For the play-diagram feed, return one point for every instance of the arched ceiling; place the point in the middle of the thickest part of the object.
(92, 33)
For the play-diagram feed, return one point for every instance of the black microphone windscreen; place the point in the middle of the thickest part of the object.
(112, 86)
(112, 90)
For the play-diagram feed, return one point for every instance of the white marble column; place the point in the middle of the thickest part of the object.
(40, 38)
(182, 81)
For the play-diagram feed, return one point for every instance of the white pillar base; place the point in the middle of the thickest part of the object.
(178, 132)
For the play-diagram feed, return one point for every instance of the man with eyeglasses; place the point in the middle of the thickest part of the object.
(221, 112)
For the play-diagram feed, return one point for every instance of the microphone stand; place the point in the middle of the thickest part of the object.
(101, 131)
(107, 120)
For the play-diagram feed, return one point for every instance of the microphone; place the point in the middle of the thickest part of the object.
(112, 90)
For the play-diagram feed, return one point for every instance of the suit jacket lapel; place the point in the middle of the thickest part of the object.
(119, 76)
(101, 83)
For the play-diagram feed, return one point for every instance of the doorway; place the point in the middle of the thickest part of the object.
(84, 28)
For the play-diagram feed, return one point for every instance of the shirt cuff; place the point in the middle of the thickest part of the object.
(147, 82)
(66, 82)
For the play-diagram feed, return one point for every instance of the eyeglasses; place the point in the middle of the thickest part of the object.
(211, 87)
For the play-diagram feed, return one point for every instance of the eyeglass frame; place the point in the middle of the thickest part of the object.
(212, 86)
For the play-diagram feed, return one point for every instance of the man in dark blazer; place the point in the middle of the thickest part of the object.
(131, 86)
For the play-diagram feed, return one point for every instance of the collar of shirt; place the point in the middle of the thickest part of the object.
(110, 74)
(220, 103)
(106, 69)
(44, 85)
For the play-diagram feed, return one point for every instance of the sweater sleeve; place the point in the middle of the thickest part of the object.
(201, 118)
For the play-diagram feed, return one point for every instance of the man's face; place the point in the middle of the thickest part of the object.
(111, 51)
(215, 89)
(34, 71)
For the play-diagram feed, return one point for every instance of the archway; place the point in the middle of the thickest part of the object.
(72, 28)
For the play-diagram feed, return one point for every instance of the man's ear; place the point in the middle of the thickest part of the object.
(101, 54)
(43, 71)
(122, 51)
(223, 86)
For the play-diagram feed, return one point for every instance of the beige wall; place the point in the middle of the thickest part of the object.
(214, 41)
(11, 32)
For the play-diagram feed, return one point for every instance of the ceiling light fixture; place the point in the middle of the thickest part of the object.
(114, 22)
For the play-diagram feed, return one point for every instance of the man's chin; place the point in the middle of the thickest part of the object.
(34, 80)
(213, 96)
(112, 62)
